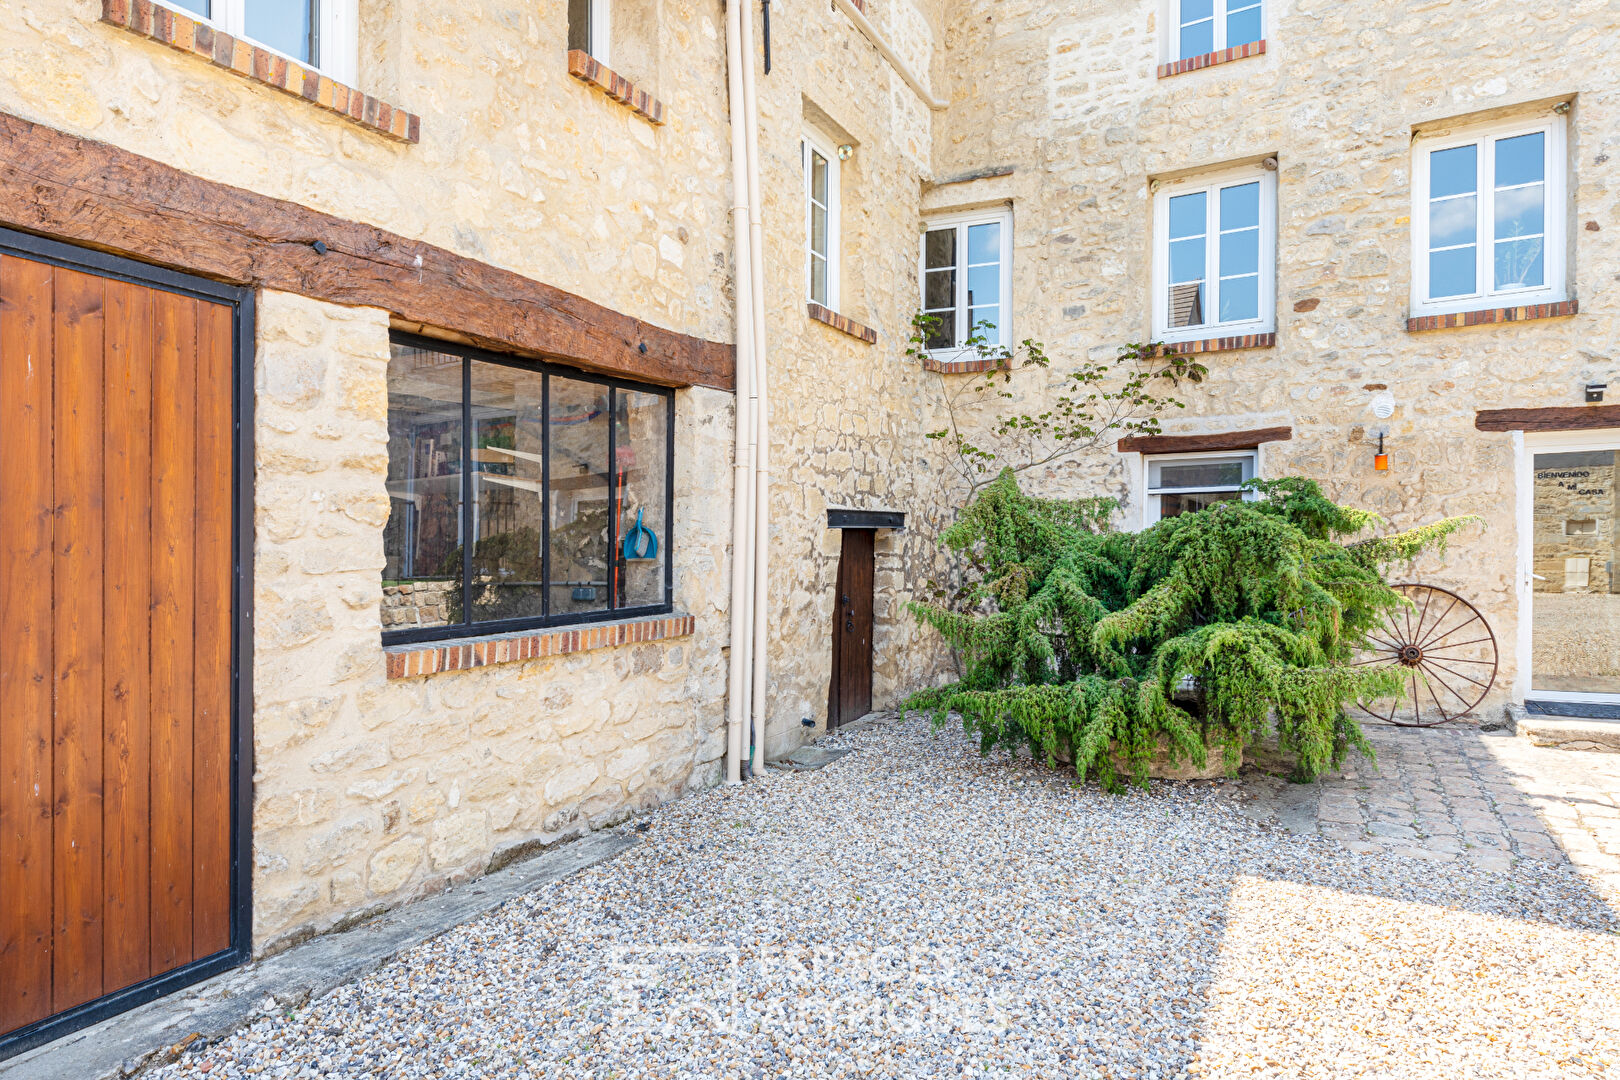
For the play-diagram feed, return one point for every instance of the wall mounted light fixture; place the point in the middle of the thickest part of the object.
(1381, 459)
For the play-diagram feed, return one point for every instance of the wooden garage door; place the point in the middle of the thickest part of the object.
(116, 743)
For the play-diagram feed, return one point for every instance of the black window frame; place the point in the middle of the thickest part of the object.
(545, 621)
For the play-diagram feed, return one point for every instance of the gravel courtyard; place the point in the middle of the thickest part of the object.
(913, 910)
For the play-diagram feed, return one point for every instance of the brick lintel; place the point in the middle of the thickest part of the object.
(429, 658)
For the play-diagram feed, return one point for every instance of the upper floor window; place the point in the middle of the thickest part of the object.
(520, 495)
(588, 23)
(1206, 26)
(1181, 483)
(967, 278)
(821, 212)
(1488, 218)
(319, 33)
(1215, 242)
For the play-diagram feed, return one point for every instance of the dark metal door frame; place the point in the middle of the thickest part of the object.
(241, 301)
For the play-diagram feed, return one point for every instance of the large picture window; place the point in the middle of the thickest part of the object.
(1489, 218)
(521, 495)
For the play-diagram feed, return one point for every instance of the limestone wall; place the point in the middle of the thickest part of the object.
(369, 791)
(1069, 96)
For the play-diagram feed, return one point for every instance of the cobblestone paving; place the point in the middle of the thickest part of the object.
(1450, 795)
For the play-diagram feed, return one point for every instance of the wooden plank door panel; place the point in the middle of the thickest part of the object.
(117, 740)
(26, 641)
(77, 739)
(127, 592)
(852, 629)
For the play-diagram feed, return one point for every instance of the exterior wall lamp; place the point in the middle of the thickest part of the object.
(1381, 459)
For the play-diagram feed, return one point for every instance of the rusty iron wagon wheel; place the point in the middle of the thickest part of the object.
(1447, 651)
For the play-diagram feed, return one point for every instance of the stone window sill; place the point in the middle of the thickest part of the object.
(588, 70)
(158, 23)
(1225, 56)
(1224, 344)
(464, 654)
(842, 323)
(1487, 316)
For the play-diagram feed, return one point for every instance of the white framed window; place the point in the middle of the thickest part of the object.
(588, 23)
(1489, 213)
(1215, 255)
(1181, 483)
(966, 274)
(821, 212)
(1206, 26)
(321, 34)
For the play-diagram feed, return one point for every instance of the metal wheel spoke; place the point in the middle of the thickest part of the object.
(1458, 659)
(1433, 641)
(1420, 639)
(1441, 621)
(1460, 675)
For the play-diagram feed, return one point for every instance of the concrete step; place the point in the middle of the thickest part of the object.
(1570, 733)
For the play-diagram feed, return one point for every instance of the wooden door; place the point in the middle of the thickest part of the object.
(116, 617)
(851, 695)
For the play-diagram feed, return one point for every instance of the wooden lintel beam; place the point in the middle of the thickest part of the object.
(1192, 444)
(1566, 418)
(95, 194)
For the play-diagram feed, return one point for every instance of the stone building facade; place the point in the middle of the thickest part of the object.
(474, 181)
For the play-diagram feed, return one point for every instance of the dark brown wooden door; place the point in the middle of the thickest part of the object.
(116, 752)
(851, 694)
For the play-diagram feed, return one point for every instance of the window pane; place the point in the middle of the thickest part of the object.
(1222, 472)
(1243, 27)
(818, 230)
(939, 248)
(1198, 39)
(579, 496)
(1240, 206)
(201, 7)
(1193, 10)
(507, 453)
(990, 315)
(1240, 252)
(984, 285)
(1454, 171)
(1519, 264)
(1189, 215)
(579, 25)
(1187, 304)
(287, 26)
(641, 447)
(1521, 160)
(818, 177)
(1175, 505)
(939, 290)
(1451, 273)
(1453, 221)
(944, 336)
(1240, 298)
(422, 541)
(1187, 260)
(984, 243)
(1519, 211)
(818, 280)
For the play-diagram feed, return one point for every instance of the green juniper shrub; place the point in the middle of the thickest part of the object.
(1081, 641)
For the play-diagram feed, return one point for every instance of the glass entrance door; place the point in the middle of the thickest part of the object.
(1575, 582)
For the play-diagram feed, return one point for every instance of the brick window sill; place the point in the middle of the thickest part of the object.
(1487, 316)
(1224, 344)
(590, 71)
(842, 323)
(946, 366)
(464, 654)
(1225, 56)
(158, 23)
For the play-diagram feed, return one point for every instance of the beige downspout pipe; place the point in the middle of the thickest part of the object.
(760, 387)
(742, 486)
